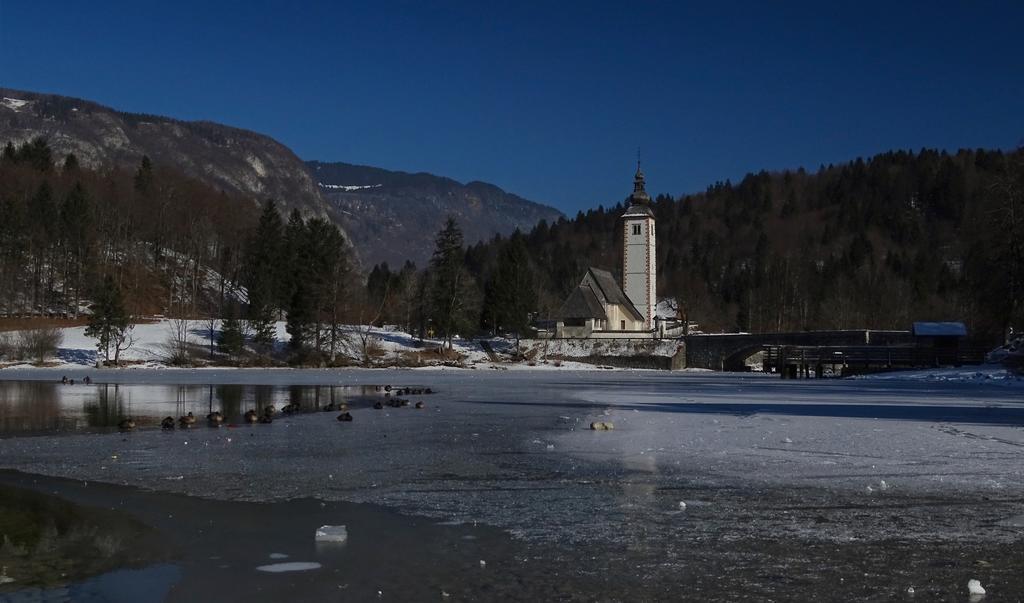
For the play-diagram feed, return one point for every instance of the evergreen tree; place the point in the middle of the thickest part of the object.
(262, 274)
(451, 289)
(70, 163)
(232, 340)
(144, 176)
(292, 258)
(110, 323)
(300, 319)
(511, 292)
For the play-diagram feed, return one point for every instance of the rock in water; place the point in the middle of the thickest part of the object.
(974, 587)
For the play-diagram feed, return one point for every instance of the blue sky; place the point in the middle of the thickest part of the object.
(548, 100)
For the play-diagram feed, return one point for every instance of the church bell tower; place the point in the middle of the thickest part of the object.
(639, 271)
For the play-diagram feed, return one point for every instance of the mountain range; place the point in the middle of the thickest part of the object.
(394, 216)
(386, 215)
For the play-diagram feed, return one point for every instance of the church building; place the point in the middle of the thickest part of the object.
(599, 306)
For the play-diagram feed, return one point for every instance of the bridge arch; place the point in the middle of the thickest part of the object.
(737, 359)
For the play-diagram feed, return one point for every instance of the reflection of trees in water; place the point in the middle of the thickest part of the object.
(27, 406)
(32, 406)
(230, 397)
(107, 409)
(264, 395)
(296, 395)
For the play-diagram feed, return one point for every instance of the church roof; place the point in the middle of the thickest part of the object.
(638, 210)
(589, 301)
(582, 303)
(612, 292)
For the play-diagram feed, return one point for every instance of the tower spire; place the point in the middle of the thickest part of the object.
(639, 196)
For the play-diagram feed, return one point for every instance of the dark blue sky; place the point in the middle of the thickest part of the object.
(548, 100)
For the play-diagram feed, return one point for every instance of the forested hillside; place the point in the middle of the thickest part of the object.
(875, 243)
(64, 227)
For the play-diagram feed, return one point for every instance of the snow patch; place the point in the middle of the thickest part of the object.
(13, 103)
(257, 165)
(349, 187)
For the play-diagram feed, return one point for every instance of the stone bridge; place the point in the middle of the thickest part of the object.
(729, 351)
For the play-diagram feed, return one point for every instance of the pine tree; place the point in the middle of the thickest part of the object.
(300, 319)
(514, 293)
(110, 323)
(70, 163)
(144, 176)
(262, 275)
(451, 285)
(232, 340)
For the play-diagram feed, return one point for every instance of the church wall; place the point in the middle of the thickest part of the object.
(617, 314)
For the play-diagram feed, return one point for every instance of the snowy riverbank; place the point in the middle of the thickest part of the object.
(391, 348)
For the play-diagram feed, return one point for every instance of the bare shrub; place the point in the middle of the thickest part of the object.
(177, 345)
(38, 344)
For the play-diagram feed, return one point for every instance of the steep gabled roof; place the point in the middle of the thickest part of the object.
(612, 292)
(582, 303)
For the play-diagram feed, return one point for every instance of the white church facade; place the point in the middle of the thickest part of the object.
(600, 307)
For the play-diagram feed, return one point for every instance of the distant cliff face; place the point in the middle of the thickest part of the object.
(230, 159)
(394, 216)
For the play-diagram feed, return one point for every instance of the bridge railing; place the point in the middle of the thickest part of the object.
(859, 359)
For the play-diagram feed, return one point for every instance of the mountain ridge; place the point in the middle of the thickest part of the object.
(406, 207)
(379, 206)
(232, 159)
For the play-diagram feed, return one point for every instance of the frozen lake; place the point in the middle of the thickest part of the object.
(784, 484)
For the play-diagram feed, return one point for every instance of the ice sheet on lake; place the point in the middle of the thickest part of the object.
(715, 440)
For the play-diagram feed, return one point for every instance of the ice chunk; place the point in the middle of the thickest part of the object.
(335, 534)
(294, 566)
(682, 506)
(974, 587)
(278, 556)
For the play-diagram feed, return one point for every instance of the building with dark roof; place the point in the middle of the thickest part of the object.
(600, 306)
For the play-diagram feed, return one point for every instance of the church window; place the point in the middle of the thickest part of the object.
(636, 229)
(622, 325)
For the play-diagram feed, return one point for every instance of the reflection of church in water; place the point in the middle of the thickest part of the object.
(599, 307)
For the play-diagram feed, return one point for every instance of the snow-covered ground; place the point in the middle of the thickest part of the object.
(395, 347)
(989, 374)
